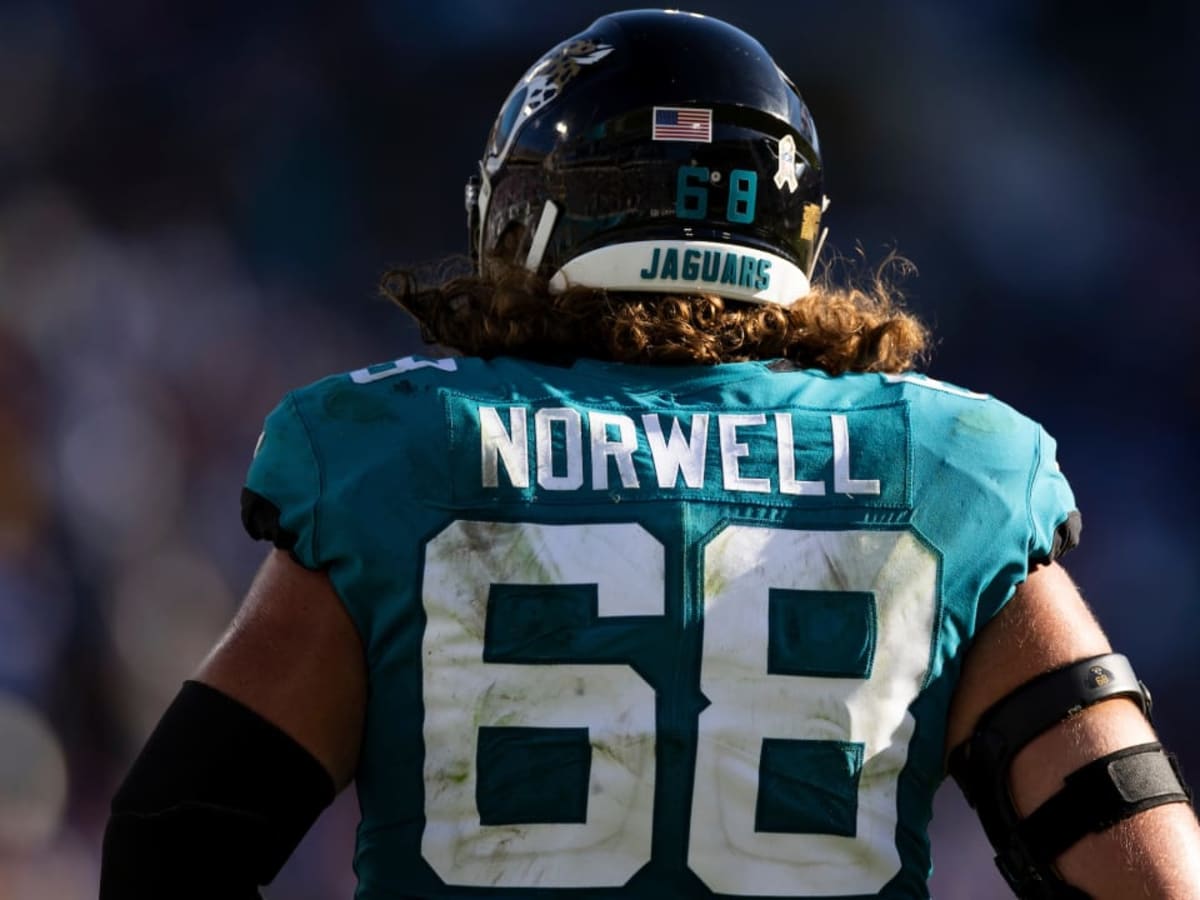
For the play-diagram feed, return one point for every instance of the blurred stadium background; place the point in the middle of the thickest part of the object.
(196, 201)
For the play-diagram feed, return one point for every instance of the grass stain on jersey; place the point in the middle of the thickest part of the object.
(984, 419)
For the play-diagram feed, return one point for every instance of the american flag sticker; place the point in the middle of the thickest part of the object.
(673, 123)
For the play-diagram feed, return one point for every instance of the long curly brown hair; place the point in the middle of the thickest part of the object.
(512, 312)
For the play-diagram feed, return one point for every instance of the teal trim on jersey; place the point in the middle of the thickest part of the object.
(535, 623)
(532, 775)
(368, 474)
(824, 634)
(808, 787)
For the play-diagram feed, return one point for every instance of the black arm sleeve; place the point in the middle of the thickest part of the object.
(213, 806)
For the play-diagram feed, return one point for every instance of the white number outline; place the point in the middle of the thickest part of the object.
(741, 563)
(615, 841)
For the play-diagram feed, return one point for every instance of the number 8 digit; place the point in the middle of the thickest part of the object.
(815, 644)
(743, 195)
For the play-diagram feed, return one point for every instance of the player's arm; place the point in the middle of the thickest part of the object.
(249, 753)
(1154, 852)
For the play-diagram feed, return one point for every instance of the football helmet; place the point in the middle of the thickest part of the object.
(656, 151)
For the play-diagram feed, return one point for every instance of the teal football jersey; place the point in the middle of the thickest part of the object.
(655, 632)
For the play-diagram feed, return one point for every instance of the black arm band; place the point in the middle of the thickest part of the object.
(213, 806)
(1028, 711)
(1095, 797)
(1037, 705)
(1101, 794)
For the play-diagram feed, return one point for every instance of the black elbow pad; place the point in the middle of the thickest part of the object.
(213, 806)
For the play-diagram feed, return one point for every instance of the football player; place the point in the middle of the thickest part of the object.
(678, 582)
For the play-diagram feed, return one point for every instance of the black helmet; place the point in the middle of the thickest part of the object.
(656, 151)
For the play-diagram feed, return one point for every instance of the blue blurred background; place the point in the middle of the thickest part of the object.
(196, 201)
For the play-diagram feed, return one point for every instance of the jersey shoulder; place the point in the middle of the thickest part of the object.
(403, 376)
(942, 414)
(971, 444)
(971, 430)
(936, 400)
(395, 400)
(323, 439)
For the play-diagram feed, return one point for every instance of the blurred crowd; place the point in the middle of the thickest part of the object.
(195, 204)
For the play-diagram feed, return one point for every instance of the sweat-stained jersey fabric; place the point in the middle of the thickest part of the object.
(654, 632)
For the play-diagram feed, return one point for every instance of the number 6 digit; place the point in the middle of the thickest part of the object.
(464, 694)
(691, 200)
